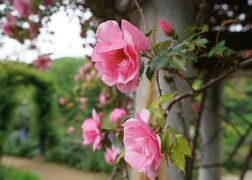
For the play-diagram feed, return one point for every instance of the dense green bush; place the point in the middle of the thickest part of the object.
(7, 173)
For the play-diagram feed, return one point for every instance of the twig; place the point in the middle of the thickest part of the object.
(246, 163)
(208, 84)
(142, 15)
(158, 84)
(195, 139)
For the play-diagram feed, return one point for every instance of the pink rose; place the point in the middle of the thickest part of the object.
(116, 55)
(9, 25)
(70, 130)
(111, 155)
(103, 98)
(117, 114)
(23, 7)
(91, 131)
(34, 29)
(142, 145)
(62, 101)
(167, 28)
(83, 102)
(77, 77)
(43, 62)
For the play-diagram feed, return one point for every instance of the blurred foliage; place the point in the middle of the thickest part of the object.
(14, 75)
(8, 173)
(237, 103)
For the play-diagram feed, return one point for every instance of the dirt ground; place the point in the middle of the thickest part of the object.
(51, 171)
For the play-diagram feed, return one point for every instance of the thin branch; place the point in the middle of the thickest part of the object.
(246, 163)
(142, 15)
(195, 139)
(208, 84)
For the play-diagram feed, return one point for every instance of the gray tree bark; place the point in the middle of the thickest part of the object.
(210, 131)
(180, 14)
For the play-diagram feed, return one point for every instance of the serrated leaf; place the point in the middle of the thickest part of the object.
(219, 50)
(177, 158)
(158, 63)
(149, 73)
(183, 144)
(120, 156)
(201, 42)
(165, 98)
(162, 45)
(178, 62)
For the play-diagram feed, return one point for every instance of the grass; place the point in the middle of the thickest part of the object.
(9, 173)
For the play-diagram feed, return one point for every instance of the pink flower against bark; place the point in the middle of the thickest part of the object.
(9, 25)
(117, 114)
(142, 145)
(43, 62)
(91, 131)
(167, 28)
(111, 155)
(23, 7)
(117, 54)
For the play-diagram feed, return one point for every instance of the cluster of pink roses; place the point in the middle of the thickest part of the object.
(142, 145)
(86, 72)
(24, 9)
(117, 59)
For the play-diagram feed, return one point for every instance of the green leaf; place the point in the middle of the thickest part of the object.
(201, 42)
(220, 49)
(166, 97)
(149, 73)
(158, 63)
(141, 71)
(162, 46)
(178, 62)
(177, 158)
(183, 144)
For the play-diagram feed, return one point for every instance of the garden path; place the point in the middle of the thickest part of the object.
(53, 171)
(50, 171)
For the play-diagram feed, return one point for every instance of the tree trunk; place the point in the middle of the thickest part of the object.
(211, 136)
(180, 14)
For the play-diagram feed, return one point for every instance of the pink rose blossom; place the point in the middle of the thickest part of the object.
(103, 98)
(62, 101)
(83, 102)
(111, 155)
(167, 28)
(34, 29)
(142, 145)
(77, 77)
(117, 114)
(23, 7)
(9, 25)
(91, 131)
(43, 62)
(70, 130)
(117, 54)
